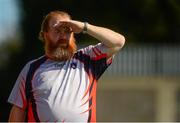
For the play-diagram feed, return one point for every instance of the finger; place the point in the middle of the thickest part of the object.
(60, 23)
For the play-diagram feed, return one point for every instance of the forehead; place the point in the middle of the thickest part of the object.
(57, 18)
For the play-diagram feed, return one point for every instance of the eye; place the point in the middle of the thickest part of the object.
(64, 30)
(56, 31)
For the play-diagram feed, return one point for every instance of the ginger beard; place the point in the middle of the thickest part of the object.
(58, 51)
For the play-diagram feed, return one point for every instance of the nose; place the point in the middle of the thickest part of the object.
(63, 36)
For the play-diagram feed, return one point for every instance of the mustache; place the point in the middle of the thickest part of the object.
(62, 41)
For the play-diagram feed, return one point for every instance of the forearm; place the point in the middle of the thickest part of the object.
(106, 36)
(113, 40)
(17, 114)
(110, 38)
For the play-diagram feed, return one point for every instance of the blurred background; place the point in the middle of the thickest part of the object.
(142, 84)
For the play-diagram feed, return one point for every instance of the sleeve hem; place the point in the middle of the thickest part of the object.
(16, 104)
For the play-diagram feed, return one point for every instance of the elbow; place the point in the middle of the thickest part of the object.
(121, 41)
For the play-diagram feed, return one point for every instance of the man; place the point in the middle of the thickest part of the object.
(61, 85)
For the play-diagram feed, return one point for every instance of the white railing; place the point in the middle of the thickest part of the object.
(146, 60)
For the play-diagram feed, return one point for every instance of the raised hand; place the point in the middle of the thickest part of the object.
(74, 26)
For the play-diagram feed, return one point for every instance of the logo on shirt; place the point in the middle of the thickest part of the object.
(74, 65)
(59, 65)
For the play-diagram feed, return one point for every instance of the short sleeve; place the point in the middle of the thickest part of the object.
(95, 58)
(18, 96)
(97, 52)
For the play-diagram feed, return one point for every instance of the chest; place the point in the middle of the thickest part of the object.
(69, 79)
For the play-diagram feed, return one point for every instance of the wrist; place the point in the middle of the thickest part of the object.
(85, 28)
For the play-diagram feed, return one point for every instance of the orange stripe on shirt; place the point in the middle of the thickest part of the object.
(30, 114)
(100, 57)
(90, 83)
(96, 53)
(93, 109)
(92, 96)
(23, 99)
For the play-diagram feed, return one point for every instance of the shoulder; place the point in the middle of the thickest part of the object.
(38, 60)
(91, 48)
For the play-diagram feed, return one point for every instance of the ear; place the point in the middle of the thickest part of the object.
(45, 35)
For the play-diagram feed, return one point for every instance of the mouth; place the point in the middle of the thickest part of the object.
(62, 43)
